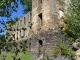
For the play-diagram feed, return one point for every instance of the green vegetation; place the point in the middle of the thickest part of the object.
(7, 7)
(10, 56)
(66, 50)
(27, 4)
(24, 48)
(12, 22)
(63, 49)
(2, 42)
(56, 51)
(7, 34)
(72, 20)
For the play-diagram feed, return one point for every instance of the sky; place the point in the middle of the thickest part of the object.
(18, 14)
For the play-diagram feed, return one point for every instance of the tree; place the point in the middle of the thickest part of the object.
(72, 19)
(7, 7)
(27, 4)
(2, 42)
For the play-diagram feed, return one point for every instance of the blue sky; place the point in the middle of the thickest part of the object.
(18, 14)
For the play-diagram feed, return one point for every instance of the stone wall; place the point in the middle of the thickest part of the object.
(45, 15)
(45, 42)
(21, 29)
(41, 27)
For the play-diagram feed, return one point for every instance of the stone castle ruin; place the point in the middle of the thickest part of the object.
(41, 28)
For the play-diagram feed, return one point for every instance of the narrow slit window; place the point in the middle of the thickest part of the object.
(20, 33)
(24, 33)
(24, 20)
(17, 35)
(40, 16)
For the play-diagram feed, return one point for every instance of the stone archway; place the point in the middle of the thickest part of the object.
(40, 42)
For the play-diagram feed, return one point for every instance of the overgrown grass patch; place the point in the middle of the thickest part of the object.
(9, 56)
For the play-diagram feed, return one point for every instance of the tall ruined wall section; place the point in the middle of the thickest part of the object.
(21, 29)
(40, 26)
(46, 26)
(46, 15)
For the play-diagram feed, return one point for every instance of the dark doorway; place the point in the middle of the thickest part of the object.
(40, 46)
(40, 42)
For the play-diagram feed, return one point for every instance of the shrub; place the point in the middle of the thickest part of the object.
(24, 48)
(66, 50)
(56, 51)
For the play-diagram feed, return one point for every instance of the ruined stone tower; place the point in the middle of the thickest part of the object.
(46, 19)
(40, 27)
(45, 14)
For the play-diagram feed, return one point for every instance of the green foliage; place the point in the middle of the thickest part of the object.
(27, 4)
(10, 29)
(70, 38)
(7, 7)
(24, 48)
(66, 50)
(2, 42)
(7, 34)
(44, 59)
(12, 22)
(56, 51)
(9, 56)
(72, 19)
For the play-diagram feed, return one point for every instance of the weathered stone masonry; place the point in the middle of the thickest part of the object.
(41, 26)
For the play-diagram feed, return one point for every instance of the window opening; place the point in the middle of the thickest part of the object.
(17, 35)
(40, 16)
(24, 20)
(20, 33)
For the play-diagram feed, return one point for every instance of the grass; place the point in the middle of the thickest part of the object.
(20, 55)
